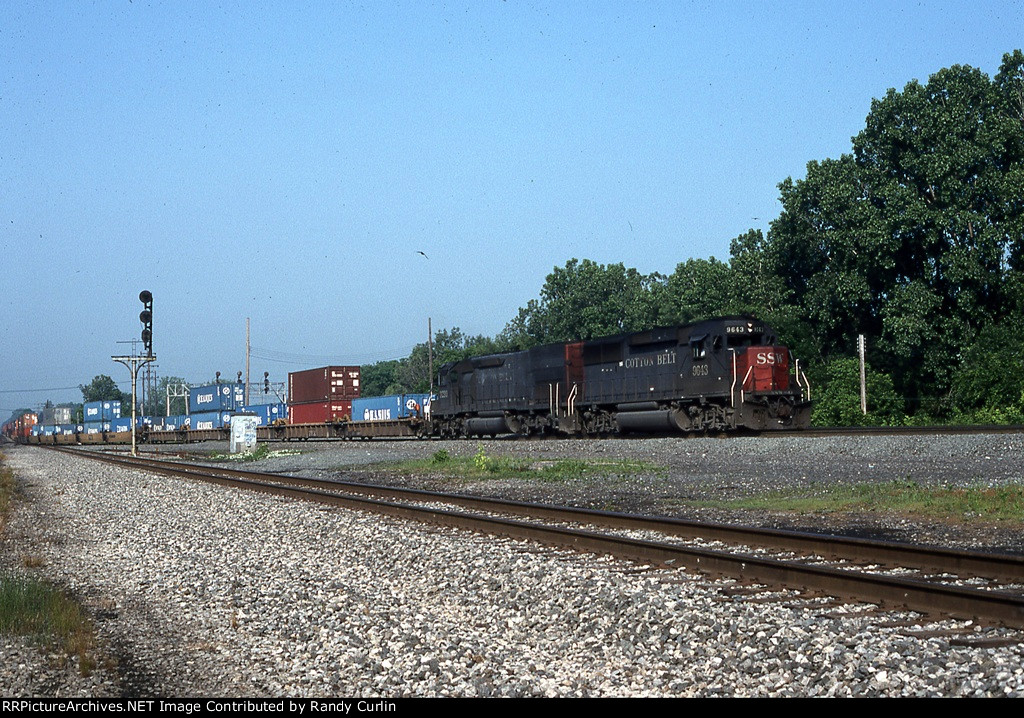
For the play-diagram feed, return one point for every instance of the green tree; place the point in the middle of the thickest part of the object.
(379, 379)
(697, 289)
(584, 300)
(915, 237)
(103, 388)
(991, 375)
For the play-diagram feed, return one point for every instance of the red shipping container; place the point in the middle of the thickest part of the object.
(320, 412)
(324, 384)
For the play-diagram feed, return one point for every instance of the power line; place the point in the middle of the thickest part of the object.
(59, 388)
(294, 358)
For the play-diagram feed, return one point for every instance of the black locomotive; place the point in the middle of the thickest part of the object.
(714, 375)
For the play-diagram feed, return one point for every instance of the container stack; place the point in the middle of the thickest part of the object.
(319, 396)
(210, 407)
(98, 415)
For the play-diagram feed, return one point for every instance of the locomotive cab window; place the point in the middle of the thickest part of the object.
(697, 344)
(744, 340)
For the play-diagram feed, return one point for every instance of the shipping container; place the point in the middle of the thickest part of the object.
(207, 420)
(267, 414)
(324, 384)
(111, 410)
(101, 410)
(62, 414)
(389, 408)
(214, 397)
(95, 427)
(124, 423)
(173, 423)
(319, 412)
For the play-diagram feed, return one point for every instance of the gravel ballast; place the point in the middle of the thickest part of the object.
(203, 590)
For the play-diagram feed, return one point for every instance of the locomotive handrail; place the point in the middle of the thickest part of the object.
(732, 389)
(744, 383)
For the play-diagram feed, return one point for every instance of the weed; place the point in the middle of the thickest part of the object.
(483, 465)
(481, 460)
(31, 608)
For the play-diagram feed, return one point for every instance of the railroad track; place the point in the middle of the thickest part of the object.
(988, 588)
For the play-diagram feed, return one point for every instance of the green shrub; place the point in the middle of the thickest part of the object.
(837, 399)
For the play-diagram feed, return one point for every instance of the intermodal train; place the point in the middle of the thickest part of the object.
(717, 375)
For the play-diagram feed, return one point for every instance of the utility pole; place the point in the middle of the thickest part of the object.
(430, 354)
(248, 348)
(861, 347)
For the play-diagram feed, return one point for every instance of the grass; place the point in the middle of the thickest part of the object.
(30, 607)
(483, 466)
(964, 504)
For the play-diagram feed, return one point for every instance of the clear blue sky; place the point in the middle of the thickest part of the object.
(286, 161)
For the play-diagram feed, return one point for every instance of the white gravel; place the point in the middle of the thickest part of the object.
(203, 590)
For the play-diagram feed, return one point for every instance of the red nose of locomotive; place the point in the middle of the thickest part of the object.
(763, 369)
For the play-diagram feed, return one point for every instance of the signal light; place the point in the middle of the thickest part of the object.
(266, 382)
(146, 317)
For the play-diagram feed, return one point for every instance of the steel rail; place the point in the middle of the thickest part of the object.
(912, 594)
(1004, 567)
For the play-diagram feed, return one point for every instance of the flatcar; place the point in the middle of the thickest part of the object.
(720, 374)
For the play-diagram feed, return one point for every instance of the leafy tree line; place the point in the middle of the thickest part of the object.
(915, 239)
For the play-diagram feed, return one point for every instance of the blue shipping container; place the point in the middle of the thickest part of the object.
(215, 397)
(101, 410)
(173, 423)
(262, 413)
(96, 427)
(121, 424)
(267, 414)
(111, 410)
(389, 408)
(211, 420)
